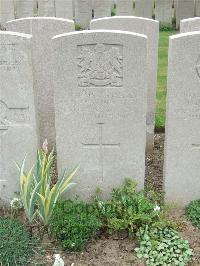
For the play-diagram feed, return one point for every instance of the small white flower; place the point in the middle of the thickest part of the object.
(16, 204)
(157, 208)
(73, 244)
(58, 260)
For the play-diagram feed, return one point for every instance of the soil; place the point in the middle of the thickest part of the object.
(118, 250)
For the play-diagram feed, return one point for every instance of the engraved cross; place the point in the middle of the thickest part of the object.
(101, 145)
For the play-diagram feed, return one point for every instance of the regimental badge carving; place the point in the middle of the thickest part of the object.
(100, 65)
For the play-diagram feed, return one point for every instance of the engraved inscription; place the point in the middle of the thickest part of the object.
(100, 65)
(101, 145)
(10, 116)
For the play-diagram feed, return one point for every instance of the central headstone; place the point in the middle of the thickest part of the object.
(24, 8)
(150, 28)
(100, 103)
(46, 8)
(102, 8)
(164, 11)
(43, 29)
(144, 8)
(17, 110)
(83, 13)
(124, 7)
(64, 9)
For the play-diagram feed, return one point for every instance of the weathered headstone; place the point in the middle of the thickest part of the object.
(83, 12)
(18, 136)
(24, 8)
(197, 8)
(6, 11)
(102, 8)
(182, 147)
(184, 9)
(150, 28)
(164, 11)
(144, 8)
(102, 99)
(190, 24)
(46, 8)
(43, 29)
(64, 9)
(124, 7)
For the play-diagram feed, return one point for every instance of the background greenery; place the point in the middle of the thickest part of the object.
(162, 78)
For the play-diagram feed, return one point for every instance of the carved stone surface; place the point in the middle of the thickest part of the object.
(124, 8)
(46, 8)
(190, 24)
(182, 147)
(100, 107)
(164, 11)
(144, 8)
(197, 8)
(64, 9)
(18, 136)
(150, 28)
(24, 8)
(43, 29)
(184, 9)
(6, 11)
(102, 8)
(83, 13)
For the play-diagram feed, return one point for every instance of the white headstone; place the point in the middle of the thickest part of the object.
(64, 9)
(164, 11)
(43, 29)
(83, 13)
(190, 24)
(124, 8)
(150, 28)
(144, 8)
(184, 9)
(102, 100)
(46, 8)
(24, 8)
(182, 147)
(102, 8)
(18, 136)
(197, 8)
(6, 11)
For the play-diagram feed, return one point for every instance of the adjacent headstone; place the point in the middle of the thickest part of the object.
(150, 28)
(100, 107)
(83, 13)
(46, 8)
(43, 29)
(182, 147)
(164, 11)
(190, 24)
(124, 8)
(7, 11)
(64, 9)
(102, 8)
(144, 8)
(184, 9)
(18, 136)
(24, 8)
(197, 8)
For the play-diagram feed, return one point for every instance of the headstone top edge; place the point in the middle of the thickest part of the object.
(125, 17)
(17, 34)
(184, 35)
(41, 18)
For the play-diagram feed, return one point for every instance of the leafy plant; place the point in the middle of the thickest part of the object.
(74, 223)
(127, 209)
(37, 190)
(16, 246)
(167, 27)
(193, 212)
(162, 247)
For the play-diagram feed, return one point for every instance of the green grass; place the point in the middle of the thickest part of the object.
(162, 78)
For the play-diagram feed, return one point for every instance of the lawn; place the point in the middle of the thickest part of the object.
(162, 78)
